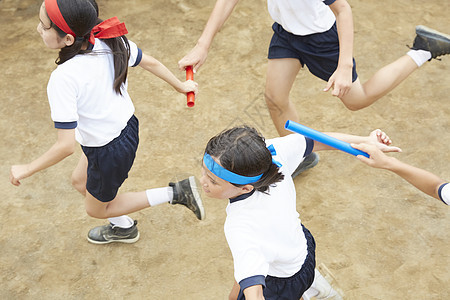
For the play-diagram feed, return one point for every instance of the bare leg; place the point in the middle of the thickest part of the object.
(79, 175)
(121, 205)
(381, 83)
(281, 74)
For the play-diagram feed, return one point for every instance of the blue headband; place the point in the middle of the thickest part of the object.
(223, 173)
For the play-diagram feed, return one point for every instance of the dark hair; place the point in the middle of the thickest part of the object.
(242, 150)
(81, 16)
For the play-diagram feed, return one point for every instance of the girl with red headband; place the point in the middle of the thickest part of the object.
(90, 104)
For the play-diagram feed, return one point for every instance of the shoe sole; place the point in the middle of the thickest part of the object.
(431, 33)
(125, 241)
(198, 199)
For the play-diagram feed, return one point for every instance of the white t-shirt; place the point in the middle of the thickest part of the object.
(302, 17)
(264, 231)
(81, 95)
(444, 193)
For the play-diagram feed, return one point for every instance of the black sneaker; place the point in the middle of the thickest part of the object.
(310, 161)
(185, 192)
(109, 234)
(431, 40)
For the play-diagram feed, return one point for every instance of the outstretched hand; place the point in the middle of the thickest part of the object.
(188, 86)
(382, 141)
(377, 158)
(17, 173)
(195, 58)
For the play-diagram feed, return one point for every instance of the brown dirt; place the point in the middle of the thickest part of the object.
(381, 238)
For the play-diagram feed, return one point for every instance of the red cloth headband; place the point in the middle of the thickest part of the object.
(51, 6)
(107, 29)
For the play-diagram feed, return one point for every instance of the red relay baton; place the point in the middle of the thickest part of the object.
(190, 95)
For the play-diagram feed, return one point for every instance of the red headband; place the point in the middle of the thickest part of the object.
(107, 29)
(51, 6)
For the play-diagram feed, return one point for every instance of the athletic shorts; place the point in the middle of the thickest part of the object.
(108, 166)
(295, 286)
(318, 51)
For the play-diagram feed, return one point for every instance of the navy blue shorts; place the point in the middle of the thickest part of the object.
(295, 286)
(108, 166)
(318, 51)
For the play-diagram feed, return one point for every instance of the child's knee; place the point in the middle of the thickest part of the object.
(274, 103)
(94, 213)
(353, 106)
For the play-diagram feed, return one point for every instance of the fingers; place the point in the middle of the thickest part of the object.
(383, 137)
(14, 180)
(392, 149)
(328, 86)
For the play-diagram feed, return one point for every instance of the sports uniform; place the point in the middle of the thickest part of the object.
(444, 193)
(306, 30)
(269, 244)
(82, 97)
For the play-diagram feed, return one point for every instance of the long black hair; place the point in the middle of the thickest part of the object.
(81, 16)
(242, 150)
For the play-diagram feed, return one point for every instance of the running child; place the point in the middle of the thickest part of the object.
(318, 34)
(423, 180)
(273, 253)
(90, 105)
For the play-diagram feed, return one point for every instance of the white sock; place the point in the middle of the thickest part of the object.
(159, 195)
(419, 56)
(122, 221)
(311, 292)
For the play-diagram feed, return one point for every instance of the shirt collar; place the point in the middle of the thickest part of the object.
(242, 197)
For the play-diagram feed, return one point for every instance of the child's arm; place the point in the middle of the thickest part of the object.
(234, 291)
(376, 137)
(341, 80)
(64, 146)
(425, 181)
(254, 292)
(197, 56)
(154, 66)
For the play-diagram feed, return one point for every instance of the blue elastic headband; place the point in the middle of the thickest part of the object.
(223, 173)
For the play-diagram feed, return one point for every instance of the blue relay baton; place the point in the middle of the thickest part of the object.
(323, 138)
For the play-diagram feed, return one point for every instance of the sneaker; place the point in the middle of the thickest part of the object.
(310, 161)
(324, 284)
(185, 192)
(431, 40)
(109, 234)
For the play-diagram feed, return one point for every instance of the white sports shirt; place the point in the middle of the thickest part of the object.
(264, 231)
(81, 96)
(302, 17)
(444, 193)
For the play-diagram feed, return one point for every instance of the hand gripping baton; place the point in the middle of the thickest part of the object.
(190, 95)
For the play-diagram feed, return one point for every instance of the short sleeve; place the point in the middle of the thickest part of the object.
(62, 96)
(291, 149)
(135, 54)
(444, 193)
(249, 261)
(329, 2)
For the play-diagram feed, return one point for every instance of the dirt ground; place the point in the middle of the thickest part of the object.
(379, 236)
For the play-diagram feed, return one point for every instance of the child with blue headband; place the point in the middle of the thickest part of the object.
(273, 253)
